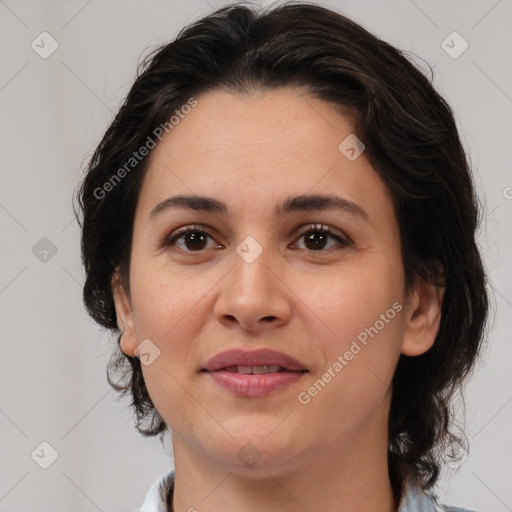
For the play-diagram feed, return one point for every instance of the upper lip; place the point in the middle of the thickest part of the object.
(261, 357)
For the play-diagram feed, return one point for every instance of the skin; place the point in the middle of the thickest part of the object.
(252, 152)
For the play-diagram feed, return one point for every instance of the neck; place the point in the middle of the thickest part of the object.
(336, 477)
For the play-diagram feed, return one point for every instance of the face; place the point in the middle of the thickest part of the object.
(252, 270)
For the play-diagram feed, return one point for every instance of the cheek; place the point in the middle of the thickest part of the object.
(168, 309)
(361, 311)
(165, 301)
(351, 299)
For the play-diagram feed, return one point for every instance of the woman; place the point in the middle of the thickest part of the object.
(280, 225)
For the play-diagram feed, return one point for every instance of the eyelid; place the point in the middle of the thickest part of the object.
(168, 239)
(341, 238)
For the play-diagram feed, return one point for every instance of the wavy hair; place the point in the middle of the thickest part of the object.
(411, 141)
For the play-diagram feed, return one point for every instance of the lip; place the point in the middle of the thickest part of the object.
(261, 357)
(219, 368)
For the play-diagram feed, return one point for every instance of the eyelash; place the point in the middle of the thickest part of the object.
(343, 242)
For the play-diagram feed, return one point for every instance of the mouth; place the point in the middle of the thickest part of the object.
(254, 373)
(255, 370)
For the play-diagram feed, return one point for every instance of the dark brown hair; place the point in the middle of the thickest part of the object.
(411, 141)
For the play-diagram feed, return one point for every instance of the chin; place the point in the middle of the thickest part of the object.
(256, 447)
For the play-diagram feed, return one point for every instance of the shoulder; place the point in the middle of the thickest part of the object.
(158, 497)
(451, 508)
(456, 509)
(414, 499)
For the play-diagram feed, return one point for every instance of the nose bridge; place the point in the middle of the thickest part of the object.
(251, 273)
(252, 291)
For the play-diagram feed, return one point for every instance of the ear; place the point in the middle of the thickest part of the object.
(423, 318)
(124, 314)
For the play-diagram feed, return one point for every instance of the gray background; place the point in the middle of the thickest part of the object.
(53, 113)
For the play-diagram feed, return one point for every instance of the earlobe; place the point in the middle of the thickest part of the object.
(424, 319)
(124, 313)
(127, 344)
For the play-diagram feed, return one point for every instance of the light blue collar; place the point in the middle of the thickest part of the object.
(413, 498)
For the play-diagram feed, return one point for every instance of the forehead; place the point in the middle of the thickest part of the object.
(283, 123)
(266, 145)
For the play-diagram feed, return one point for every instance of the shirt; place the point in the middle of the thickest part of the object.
(412, 499)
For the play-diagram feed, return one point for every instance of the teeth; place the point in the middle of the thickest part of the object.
(258, 370)
(271, 368)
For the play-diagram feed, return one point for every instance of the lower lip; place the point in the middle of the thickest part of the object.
(255, 385)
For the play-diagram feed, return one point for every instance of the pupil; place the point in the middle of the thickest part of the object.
(195, 238)
(313, 238)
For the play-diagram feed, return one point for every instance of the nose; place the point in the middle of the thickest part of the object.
(253, 295)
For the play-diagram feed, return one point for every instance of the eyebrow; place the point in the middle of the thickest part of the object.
(301, 203)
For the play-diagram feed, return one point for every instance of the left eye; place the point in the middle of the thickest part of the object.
(194, 239)
(317, 236)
